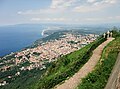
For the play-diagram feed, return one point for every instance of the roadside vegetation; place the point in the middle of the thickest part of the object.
(98, 78)
(66, 66)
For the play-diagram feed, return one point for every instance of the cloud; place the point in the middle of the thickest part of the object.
(94, 19)
(114, 17)
(109, 18)
(91, 1)
(117, 17)
(35, 12)
(71, 11)
(62, 4)
(82, 6)
(55, 7)
(58, 6)
(49, 19)
(94, 5)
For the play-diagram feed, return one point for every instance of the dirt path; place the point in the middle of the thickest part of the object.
(112, 81)
(87, 68)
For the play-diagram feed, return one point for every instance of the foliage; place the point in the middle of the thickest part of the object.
(24, 80)
(116, 32)
(55, 35)
(99, 77)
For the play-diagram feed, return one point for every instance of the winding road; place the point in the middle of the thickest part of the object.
(73, 82)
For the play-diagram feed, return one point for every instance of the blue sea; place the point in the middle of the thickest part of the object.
(16, 37)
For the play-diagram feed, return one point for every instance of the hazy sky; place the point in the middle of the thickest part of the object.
(59, 11)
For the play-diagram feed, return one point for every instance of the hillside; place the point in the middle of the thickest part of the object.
(87, 68)
(66, 66)
(62, 69)
(26, 67)
(98, 78)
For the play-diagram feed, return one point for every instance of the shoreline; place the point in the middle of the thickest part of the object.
(28, 46)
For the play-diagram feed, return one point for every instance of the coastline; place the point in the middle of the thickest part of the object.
(22, 48)
(29, 46)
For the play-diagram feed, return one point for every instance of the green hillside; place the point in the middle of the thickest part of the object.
(66, 66)
(99, 77)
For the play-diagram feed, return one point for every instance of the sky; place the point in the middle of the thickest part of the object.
(59, 11)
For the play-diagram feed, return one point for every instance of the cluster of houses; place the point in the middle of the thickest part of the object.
(53, 49)
(47, 52)
(50, 51)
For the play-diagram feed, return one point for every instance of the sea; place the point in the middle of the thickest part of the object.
(16, 37)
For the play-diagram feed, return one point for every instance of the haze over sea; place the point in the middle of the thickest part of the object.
(14, 38)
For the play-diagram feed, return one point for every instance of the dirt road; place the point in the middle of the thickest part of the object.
(87, 68)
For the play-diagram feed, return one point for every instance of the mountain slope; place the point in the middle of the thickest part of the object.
(98, 78)
(66, 66)
(87, 68)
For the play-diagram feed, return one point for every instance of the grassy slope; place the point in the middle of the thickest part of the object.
(98, 78)
(66, 66)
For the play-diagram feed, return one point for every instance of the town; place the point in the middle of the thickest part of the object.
(46, 52)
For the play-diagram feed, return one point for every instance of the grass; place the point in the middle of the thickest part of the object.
(66, 66)
(98, 78)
